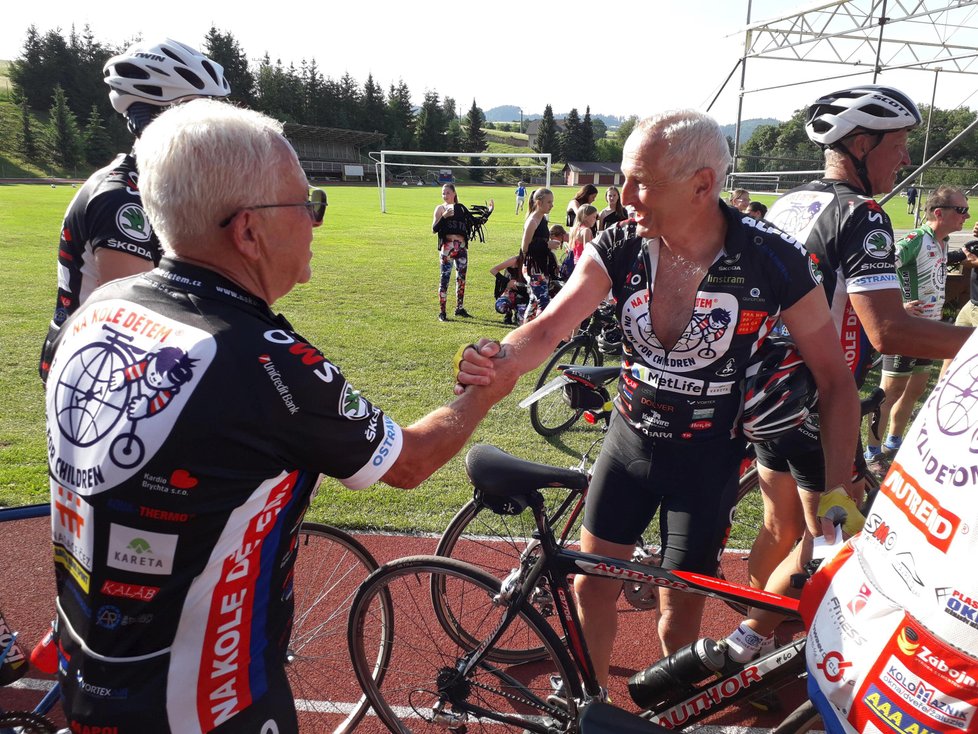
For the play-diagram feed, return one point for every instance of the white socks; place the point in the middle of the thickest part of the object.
(744, 644)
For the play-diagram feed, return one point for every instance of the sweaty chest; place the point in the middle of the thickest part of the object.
(674, 296)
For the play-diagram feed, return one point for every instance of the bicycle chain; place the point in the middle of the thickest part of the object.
(548, 709)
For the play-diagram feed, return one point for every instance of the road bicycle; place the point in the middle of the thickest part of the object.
(330, 566)
(437, 679)
(593, 341)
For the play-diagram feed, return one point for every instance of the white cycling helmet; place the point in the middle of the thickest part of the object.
(161, 74)
(869, 108)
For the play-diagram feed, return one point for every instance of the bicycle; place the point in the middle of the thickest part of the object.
(549, 413)
(437, 679)
(330, 566)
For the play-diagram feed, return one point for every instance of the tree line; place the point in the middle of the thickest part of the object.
(61, 77)
(786, 147)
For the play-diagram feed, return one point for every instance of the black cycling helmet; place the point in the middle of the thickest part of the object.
(149, 76)
(779, 391)
(864, 109)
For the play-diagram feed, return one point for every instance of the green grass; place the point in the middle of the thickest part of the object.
(371, 307)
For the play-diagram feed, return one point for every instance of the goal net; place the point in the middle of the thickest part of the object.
(388, 164)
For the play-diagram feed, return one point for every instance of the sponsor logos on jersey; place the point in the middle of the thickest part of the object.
(72, 531)
(132, 221)
(858, 603)
(223, 686)
(937, 524)
(960, 606)
(141, 551)
(833, 666)
(878, 244)
(110, 617)
(390, 442)
(751, 321)
(278, 383)
(924, 696)
(132, 248)
(307, 354)
(352, 405)
(97, 691)
(879, 531)
(841, 621)
(179, 483)
(815, 270)
(896, 718)
(123, 590)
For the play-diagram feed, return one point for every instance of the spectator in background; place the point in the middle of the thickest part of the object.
(921, 259)
(106, 234)
(452, 223)
(911, 198)
(520, 196)
(740, 200)
(539, 263)
(613, 213)
(510, 291)
(757, 210)
(580, 235)
(585, 195)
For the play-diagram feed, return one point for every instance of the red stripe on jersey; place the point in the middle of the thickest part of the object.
(223, 686)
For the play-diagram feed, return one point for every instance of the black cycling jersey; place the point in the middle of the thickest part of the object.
(852, 239)
(692, 391)
(187, 427)
(105, 213)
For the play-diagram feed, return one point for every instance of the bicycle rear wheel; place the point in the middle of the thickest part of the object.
(421, 689)
(497, 543)
(330, 566)
(551, 414)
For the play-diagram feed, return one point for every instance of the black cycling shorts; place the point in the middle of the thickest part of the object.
(806, 467)
(130, 698)
(894, 364)
(693, 485)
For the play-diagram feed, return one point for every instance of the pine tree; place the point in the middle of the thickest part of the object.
(373, 105)
(28, 141)
(431, 126)
(475, 137)
(547, 141)
(97, 143)
(400, 121)
(63, 136)
(587, 137)
(225, 50)
(572, 139)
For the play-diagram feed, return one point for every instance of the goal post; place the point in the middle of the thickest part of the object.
(381, 164)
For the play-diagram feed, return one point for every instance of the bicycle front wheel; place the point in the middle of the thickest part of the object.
(330, 566)
(27, 722)
(421, 688)
(551, 414)
(497, 544)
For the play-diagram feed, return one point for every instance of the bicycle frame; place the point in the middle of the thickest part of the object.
(553, 563)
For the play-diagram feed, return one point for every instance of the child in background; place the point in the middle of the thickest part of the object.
(580, 235)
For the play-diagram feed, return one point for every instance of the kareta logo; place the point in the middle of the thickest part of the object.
(142, 551)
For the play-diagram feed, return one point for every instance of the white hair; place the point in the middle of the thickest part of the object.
(693, 141)
(201, 161)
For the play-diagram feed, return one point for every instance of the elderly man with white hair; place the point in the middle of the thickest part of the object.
(187, 427)
(698, 286)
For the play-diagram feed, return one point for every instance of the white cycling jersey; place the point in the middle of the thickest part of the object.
(893, 643)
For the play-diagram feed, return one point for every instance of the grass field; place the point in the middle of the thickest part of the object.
(371, 307)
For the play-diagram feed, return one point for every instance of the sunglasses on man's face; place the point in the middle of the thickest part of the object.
(959, 209)
(315, 207)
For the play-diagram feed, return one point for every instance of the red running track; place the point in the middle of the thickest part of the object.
(27, 603)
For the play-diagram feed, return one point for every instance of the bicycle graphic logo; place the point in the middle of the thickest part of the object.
(956, 402)
(112, 381)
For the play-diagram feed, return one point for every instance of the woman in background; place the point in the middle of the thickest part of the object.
(613, 213)
(585, 195)
(580, 235)
(539, 263)
(452, 224)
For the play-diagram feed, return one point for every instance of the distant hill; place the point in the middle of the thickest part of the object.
(511, 113)
(747, 127)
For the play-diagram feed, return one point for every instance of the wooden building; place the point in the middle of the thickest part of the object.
(328, 153)
(599, 173)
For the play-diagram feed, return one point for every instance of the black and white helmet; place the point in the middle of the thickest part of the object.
(779, 391)
(161, 74)
(869, 107)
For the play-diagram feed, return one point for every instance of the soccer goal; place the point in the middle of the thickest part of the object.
(383, 163)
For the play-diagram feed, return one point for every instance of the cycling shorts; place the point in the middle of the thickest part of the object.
(131, 698)
(896, 365)
(694, 487)
(807, 465)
